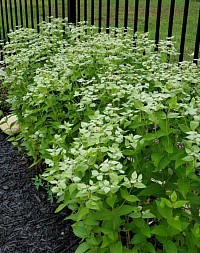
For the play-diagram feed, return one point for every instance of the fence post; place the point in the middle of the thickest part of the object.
(72, 11)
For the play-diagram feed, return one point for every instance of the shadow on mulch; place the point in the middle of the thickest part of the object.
(28, 223)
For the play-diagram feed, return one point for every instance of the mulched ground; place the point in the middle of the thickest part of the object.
(28, 223)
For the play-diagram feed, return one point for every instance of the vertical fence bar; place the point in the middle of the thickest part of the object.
(1, 48)
(26, 12)
(21, 12)
(11, 15)
(37, 15)
(117, 14)
(184, 26)
(2, 22)
(49, 7)
(108, 17)
(171, 18)
(31, 10)
(56, 8)
(78, 11)
(125, 15)
(43, 10)
(158, 24)
(16, 14)
(92, 12)
(85, 10)
(6, 13)
(146, 22)
(136, 15)
(63, 9)
(170, 24)
(72, 11)
(196, 49)
(100, 15)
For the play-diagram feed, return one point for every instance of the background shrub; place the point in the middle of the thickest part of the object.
(117, 125)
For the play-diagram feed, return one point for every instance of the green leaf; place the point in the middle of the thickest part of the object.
(125, 250)
(163, 163)
(173, 197)
(139, 185)
(128, 152)
(156, 157)
(149, 137)
(167, 144)
(184, 186)
(194, 199)
(188, 158)
(149, 248)
(194, 125)
(170, 247)
(160, 230)
(80, 230)
(184, 128)
(148, 215)
(111, 200)
(165, 211)
(138, 239)
(135, 215)
(153, 136)
(92, 240)
(166, 202)
(60, 207)
(105, 241)
(152, 189)
(109, 232)
(145, 230)
(125, 195)
(90, 204)
(116, 247)
(83, 247)
(179, 161)
(91, 222)
(92, 160)
(175, 223)
(81, 167)
(72, 188)
(164, 126)
(179, 203)
(124, 210)
(173, 102)
(104, 214)
(82, 213)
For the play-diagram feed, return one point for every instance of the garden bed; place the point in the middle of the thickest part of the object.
(117, 128)
(27, 218)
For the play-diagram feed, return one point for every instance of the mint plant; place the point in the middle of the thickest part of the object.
(117, 126)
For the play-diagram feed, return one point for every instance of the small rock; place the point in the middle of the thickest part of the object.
(2, 73)
(9, 124)
(5, 187)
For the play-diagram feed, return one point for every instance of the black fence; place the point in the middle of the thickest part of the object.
(161, 18)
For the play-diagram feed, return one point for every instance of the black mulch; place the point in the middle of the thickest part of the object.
(28, 223)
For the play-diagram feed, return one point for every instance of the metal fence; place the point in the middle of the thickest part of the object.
(106, 13)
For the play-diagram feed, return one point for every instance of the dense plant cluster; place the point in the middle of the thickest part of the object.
(117, 125)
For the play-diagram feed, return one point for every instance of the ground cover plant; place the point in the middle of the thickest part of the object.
(117, 127)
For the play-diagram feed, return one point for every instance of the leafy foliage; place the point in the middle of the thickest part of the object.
(117, 125)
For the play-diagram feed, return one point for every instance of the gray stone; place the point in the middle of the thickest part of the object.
(9, 124)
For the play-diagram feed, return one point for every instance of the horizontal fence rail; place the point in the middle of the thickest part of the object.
(160, 18)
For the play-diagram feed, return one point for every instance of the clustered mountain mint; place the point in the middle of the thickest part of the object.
(117, 125)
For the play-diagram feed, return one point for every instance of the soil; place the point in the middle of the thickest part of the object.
(28, 223)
